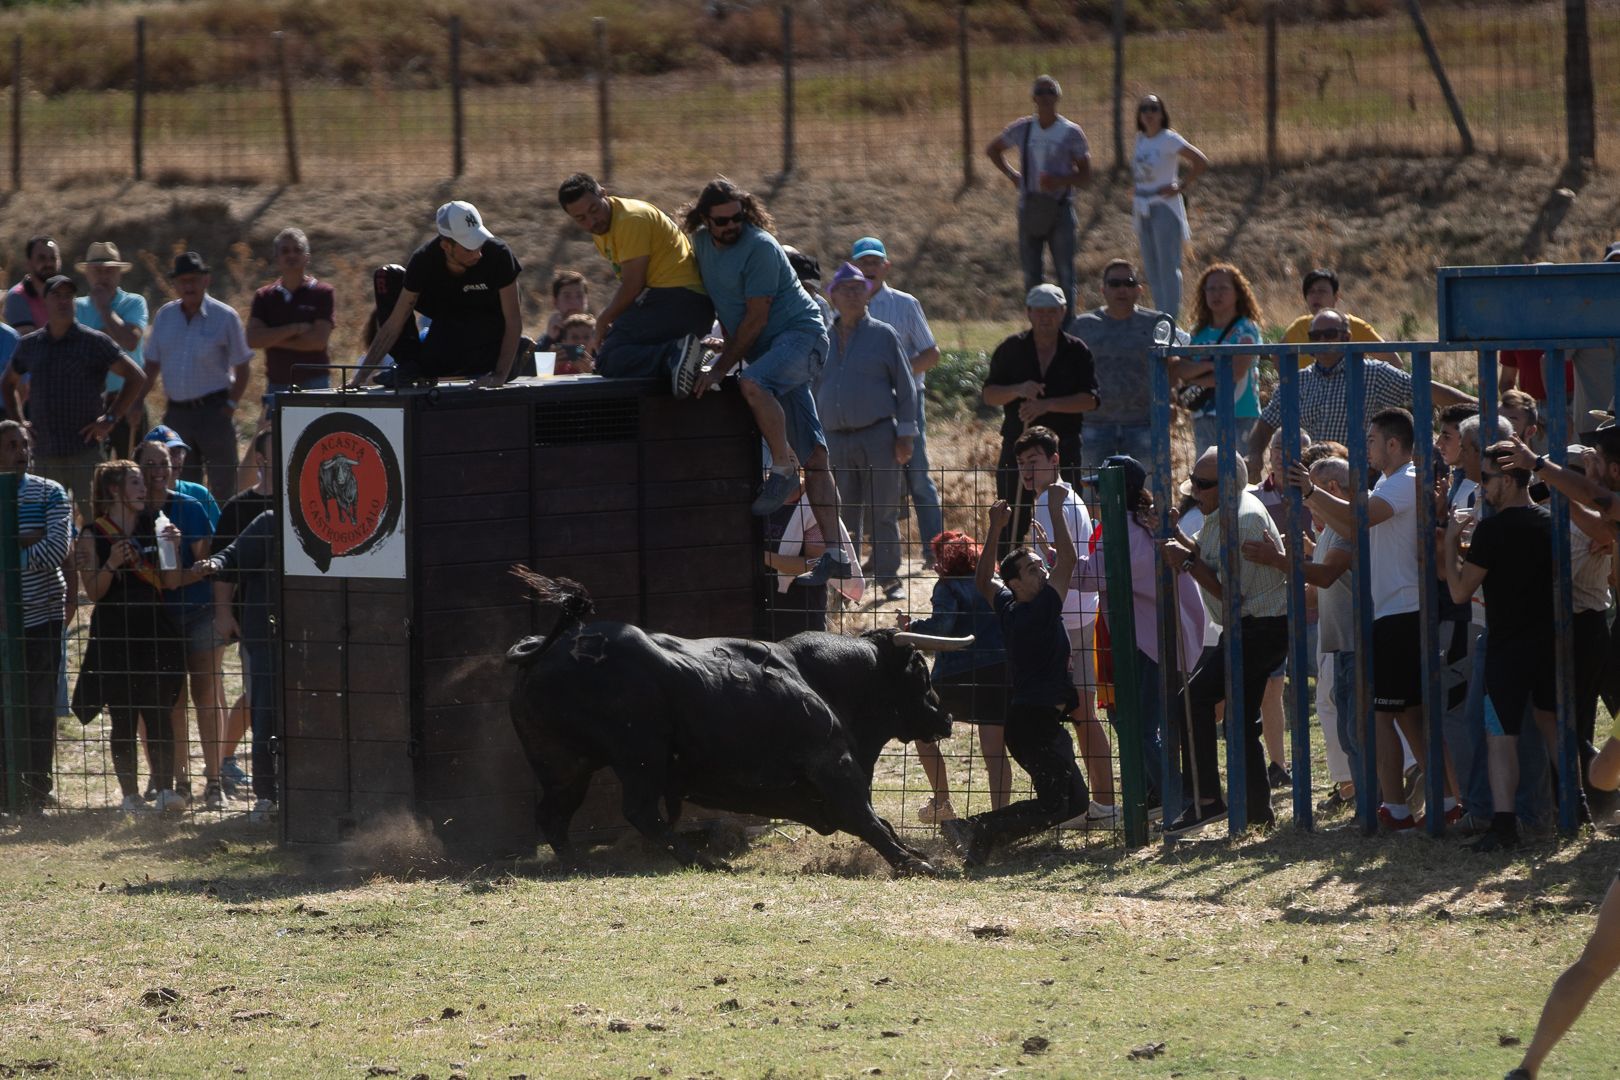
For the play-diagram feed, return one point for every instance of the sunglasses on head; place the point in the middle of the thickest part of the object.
(1325, 335)
(715, 219)
(1121, 283)
(1204, 485)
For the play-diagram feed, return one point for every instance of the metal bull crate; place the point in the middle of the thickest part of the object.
(1568, 312)
(402, 516)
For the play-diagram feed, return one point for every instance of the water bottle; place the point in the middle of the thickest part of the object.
(168, 547)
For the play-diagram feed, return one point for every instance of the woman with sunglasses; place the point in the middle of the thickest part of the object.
(1158, 207)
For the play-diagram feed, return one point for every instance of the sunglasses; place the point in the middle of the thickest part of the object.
(1148, 108)
(1326, 335)
(1046, 93)
(722, 222)
(1204, 485)
(1121, 283)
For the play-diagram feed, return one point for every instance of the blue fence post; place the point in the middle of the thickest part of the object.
(1365, 726)
(1434, 766)
(1569, 778)
(1227, 459)
(1172, 712)
(1298, 661)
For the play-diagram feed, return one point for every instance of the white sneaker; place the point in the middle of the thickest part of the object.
(934, 811)
(133, 804)
(1098, 812)
(684, 377)
(263, 810)
(171, 801)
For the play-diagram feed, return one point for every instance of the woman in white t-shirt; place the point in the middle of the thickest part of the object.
(1158, 208)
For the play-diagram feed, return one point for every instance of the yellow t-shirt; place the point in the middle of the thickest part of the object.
(639, 228)
(1299, 331)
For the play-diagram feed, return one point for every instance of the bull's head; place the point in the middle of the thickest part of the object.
(917, 710)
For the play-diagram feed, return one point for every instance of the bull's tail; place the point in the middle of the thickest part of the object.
(565, 596)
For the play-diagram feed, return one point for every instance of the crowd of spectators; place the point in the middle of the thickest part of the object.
(170, 535)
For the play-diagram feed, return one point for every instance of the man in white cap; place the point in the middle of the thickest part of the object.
(1054, 159)
(904, 313)
(123, 317)
(465, 280)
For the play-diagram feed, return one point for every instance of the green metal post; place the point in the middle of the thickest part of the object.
(15, 684)
(1127, 711)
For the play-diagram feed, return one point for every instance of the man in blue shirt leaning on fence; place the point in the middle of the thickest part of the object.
(771, 322)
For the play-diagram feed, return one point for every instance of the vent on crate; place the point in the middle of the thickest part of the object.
(570, 423)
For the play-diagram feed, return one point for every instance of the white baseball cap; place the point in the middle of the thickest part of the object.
(460, 221)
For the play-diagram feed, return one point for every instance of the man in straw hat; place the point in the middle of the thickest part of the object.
(123, 317)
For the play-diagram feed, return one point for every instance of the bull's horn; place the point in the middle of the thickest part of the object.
(932, 642)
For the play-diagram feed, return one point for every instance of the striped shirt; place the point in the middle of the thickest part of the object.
(196, 354)
(1324, 396)
(42, 504)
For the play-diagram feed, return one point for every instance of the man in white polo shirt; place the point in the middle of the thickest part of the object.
(199, 348)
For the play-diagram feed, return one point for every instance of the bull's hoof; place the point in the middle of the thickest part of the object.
(915, 867)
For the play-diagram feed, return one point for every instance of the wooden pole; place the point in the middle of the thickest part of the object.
(1271, 87)
(16, 113)
(293, 175)
(457, 130)
(604, 133)
(1119, 85)
(965, 92)
(1416, 8)
(1578, 106)
(787, 90)
(138, 136)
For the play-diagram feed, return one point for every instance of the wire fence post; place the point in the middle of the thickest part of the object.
(603, 132)
(1271, 87)
(787, 90)
(1578, 108)
(16, 113)
(16, 686)
(1119, 85)
(285, 78)
(1433, 54)
(1431, 664)
(1127, 708)
(965, 92)
(1171, 715)
(138, 136)
(1298, 661)
(457, 131)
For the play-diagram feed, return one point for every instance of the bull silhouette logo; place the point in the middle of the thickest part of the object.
(338, 485)
(472, 221)
(344, 492)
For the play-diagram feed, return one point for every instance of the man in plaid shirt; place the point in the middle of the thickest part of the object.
(1324, 392)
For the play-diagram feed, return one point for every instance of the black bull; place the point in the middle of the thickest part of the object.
(789, 730)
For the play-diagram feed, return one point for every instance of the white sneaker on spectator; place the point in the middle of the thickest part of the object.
(263, 810)
(1096, 814)
(168, 801)
(133, 804)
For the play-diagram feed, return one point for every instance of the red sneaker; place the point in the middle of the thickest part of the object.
(1389, 823)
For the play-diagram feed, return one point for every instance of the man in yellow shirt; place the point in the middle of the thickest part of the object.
(654, 326)
(1321, 289)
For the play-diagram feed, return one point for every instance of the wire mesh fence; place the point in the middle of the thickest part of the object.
(265, 105)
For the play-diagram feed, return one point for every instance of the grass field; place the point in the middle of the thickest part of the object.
(199, 950)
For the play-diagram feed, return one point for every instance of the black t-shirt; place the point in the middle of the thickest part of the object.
(1037, 649)
(1515, 548)
(474, 294)
(1071, 372)
(237, 514)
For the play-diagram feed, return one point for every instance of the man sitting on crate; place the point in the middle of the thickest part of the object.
(465, 280)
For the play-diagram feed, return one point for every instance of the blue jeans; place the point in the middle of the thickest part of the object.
(1161, 239)
(1344, 700)
(920, 486)
(644, 342)
(1062, 241)
(1107, 440)
(1465, 729)
(261, 691)
(788, 368)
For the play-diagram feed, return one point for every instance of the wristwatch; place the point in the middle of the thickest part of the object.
(1187, 563)
(1541, 463)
